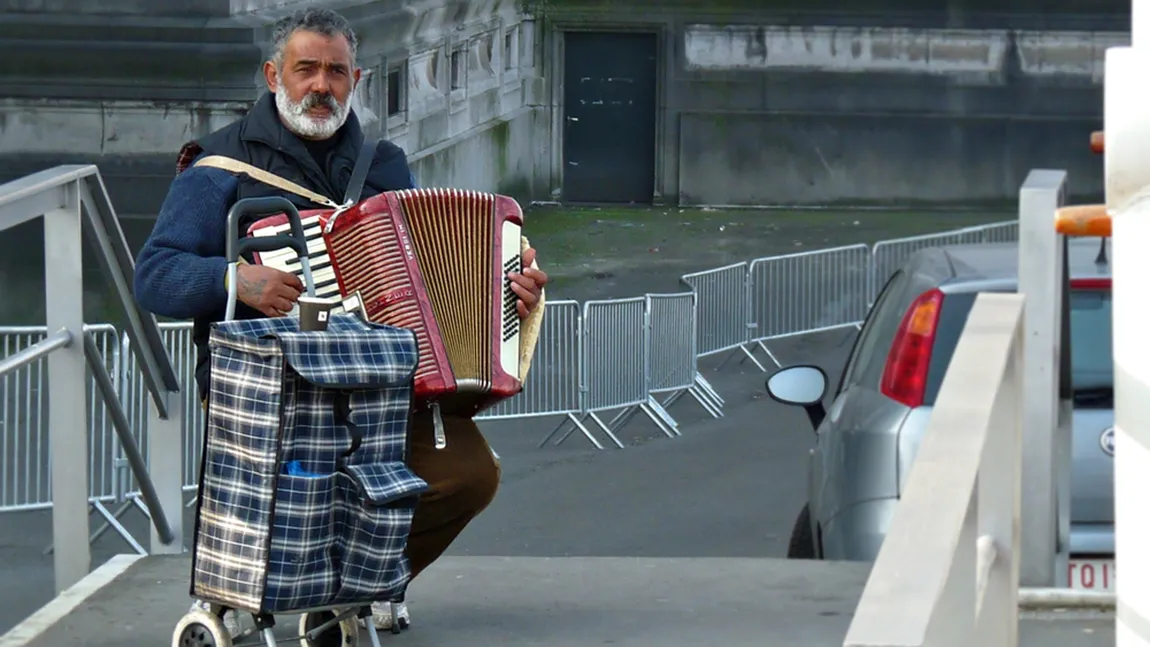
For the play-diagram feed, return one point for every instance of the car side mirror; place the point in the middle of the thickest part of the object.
(803, 385)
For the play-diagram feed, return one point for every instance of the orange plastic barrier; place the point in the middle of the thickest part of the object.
(1097, 141)
(1083, 220)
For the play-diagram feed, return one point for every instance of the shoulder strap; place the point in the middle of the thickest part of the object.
(236, 166)
(359, 173)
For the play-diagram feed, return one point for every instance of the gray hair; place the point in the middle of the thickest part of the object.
(319, 20)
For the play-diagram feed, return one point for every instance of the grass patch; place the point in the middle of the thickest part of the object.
(585, 241)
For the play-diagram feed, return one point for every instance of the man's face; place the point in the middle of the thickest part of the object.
(313, 89)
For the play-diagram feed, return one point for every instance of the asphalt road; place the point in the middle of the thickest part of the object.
(729, 487)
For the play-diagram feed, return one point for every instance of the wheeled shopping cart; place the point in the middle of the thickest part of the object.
(305, 498)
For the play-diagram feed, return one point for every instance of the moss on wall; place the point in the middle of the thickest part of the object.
(500, 135)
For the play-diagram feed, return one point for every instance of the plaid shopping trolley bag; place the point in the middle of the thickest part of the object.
(305, 498)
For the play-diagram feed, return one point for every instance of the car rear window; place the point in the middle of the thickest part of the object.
(1091, 355)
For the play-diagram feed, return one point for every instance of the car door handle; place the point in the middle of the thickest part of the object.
(573, 119)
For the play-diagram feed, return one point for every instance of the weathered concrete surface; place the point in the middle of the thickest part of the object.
(565, 602)
(981, 92)
(1059, 14)
(971, 55)
(825, 115)
(874, 158)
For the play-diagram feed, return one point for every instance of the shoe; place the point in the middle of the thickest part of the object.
(232, 621)
(381, 615)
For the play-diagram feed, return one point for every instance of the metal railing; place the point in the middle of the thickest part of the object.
(947, 571)
(72, 201)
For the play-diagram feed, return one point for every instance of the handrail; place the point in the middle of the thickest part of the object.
(62, 339)
(947, 572)
(34, 195)
(127, 442)
(159, 374)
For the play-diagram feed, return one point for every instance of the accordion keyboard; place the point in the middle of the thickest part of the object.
(326, 285)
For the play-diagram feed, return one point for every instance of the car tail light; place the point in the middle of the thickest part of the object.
(904, 378)
(1100, 285)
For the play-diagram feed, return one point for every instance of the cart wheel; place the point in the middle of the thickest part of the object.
(201, 629)
(345, 635)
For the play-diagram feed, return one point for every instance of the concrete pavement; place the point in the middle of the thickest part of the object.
(564, 602)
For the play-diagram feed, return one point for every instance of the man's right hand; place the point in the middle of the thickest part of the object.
(267, 289)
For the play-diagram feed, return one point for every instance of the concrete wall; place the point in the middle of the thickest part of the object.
(825, 115)
(124, 89)
(889, 102)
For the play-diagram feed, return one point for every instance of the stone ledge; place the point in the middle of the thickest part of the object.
(198, 58)
(119, 7)
(1102, 15)
(110, 57)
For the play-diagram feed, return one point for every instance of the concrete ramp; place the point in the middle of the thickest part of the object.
(556, 602)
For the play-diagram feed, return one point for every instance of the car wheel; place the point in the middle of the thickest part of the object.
(802, 544)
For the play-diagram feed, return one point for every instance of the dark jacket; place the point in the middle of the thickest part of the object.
(180, 269)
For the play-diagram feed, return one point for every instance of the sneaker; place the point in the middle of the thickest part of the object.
(381, 615)
(232, 620)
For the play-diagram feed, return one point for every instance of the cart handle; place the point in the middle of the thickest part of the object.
(237, 244)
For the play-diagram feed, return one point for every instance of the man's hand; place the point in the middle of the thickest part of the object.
(267, 289)
(528, 285)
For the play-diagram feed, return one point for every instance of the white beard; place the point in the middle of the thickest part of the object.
(295, 114)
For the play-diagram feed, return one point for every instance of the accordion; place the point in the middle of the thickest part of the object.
(434, 261)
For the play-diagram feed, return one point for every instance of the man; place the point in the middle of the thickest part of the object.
(304, 131)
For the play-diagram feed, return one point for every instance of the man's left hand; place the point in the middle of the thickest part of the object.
(529, 284)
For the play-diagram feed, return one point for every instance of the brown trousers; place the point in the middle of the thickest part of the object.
(463, 478)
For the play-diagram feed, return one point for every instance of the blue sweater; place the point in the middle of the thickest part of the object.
(180, 269)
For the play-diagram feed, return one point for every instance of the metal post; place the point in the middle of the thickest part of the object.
(1127, 128)
(1039, 273)
(166, 468)
(67, 420)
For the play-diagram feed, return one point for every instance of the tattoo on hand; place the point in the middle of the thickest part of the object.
(253, 288)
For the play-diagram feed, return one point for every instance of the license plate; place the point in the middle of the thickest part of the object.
(1091, 574)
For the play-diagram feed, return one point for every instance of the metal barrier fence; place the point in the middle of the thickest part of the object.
(182, 353)
(808, 292)
(591, 358)
(553, 386)
(671, 329)
(24, 457)
(721, 296)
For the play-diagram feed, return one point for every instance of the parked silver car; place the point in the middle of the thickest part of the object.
(867, 437)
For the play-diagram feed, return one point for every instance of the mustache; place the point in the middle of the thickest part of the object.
(318, 99)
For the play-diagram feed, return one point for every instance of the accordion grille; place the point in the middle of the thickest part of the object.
(452, 232)
(371, 261)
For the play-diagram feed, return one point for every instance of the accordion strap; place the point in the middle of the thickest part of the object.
(236, 166)
(359, 172)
